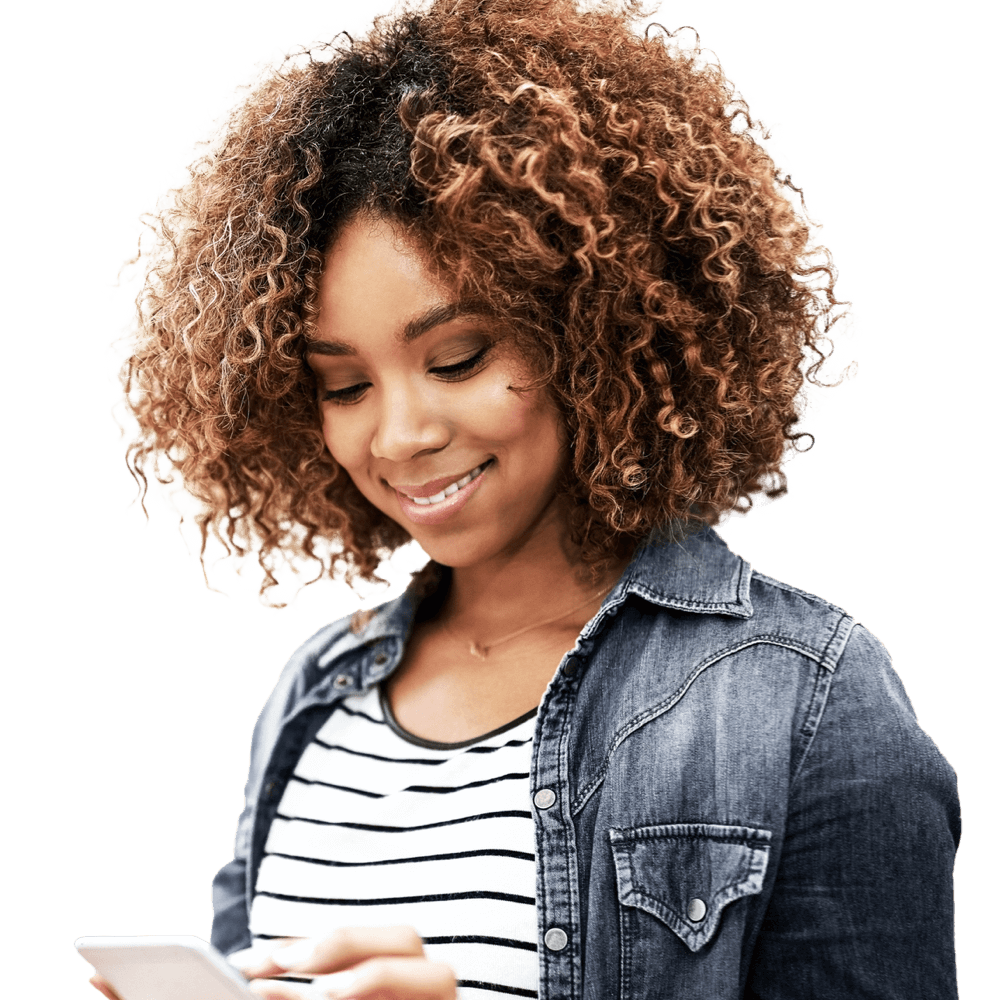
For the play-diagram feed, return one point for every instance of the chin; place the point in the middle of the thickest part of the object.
(455, 555)
(459, 549)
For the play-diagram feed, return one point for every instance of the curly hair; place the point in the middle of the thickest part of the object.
(601, 191)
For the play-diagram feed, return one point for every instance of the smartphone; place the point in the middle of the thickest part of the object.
(164, 968)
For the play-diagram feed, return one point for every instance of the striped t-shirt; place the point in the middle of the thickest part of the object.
(377, 827)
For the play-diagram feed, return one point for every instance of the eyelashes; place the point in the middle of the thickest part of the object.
(460, 368)
(457, 372)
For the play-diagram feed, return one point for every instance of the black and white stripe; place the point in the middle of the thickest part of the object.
(379, 828)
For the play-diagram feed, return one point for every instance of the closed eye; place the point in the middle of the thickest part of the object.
(463, 366)
(452, 373)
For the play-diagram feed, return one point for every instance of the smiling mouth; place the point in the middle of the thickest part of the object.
(450, 489)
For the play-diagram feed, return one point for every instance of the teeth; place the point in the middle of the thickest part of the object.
(449, 490)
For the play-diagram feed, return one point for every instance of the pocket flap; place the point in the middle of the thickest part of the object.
(685, 873)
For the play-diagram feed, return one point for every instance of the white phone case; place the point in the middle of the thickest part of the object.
(164, 968)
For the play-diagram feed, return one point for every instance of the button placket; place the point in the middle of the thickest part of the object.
(544, 798)
(560, 966)
(556, 939)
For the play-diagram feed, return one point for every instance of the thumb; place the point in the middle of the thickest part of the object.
(103, 986)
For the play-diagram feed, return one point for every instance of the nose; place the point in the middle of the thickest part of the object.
(408, 426)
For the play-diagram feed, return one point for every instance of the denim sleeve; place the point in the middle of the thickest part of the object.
(862, 905)
(231, 922)
(230, 930)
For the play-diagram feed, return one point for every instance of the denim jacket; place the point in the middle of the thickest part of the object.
(744, 804)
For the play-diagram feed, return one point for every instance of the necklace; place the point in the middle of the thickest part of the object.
(480, 650)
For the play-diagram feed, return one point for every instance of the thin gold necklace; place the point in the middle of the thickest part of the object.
(480, 650)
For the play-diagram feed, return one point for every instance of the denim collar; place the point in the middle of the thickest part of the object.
(697, 573)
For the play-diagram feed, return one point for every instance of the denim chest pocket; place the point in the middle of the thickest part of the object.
(686, 874)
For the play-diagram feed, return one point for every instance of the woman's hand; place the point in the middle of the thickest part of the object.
(367, 963)
(101, 984)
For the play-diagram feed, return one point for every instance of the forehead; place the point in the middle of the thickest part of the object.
(376, 286)
(375, 241)
(373, 267)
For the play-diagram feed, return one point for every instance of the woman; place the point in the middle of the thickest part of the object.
(511, 281)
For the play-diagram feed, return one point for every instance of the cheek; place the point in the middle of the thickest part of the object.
(516, 414)
(344, 440)
(330, 437)
(530, 426)
(505, 414)
(348, 442)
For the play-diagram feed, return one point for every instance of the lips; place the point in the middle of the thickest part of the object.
(439, 499)
(435, 486)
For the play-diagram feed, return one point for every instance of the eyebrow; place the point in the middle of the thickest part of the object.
(414, 328)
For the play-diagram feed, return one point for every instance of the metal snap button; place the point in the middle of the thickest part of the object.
(570, 669)
(381, 659)
(544, 798)
(697, 910)
(555, 939)
(341, 680)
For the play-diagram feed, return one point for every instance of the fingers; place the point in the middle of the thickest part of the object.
(343, 948)
(103, 986)
(376, 979)
(348, 946)
(396, 979)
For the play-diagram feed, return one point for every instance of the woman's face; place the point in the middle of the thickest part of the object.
(417, 394)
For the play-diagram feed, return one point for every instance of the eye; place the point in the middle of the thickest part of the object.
(451, 373)
(349, 395)
(457, 371)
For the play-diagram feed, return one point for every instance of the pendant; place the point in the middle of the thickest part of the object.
(479, 652)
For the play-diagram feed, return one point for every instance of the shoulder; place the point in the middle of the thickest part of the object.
(785, 612)
(860, 721)
(349, 639)
(712, 620)
(715, 600)
(328, 643)
(860, 664)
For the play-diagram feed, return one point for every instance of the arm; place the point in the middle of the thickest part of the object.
(862, 904)
(231, 920)
(230, 925)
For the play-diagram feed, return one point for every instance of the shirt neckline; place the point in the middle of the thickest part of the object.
(390, 719)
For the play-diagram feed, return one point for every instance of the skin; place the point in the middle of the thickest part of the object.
(405, 411)
(413, 388)
(375, 963)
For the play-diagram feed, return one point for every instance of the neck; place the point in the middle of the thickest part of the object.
(542, 577)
